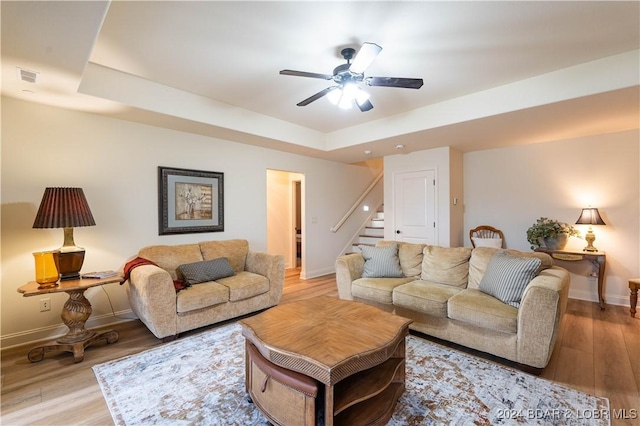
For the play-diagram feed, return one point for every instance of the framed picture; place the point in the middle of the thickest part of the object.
(190, 201)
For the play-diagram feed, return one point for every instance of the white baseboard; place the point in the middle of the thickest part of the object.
(317, 273)
(52, 332)
(589, 297)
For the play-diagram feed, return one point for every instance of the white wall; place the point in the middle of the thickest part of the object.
(116, 162)
(510, 188)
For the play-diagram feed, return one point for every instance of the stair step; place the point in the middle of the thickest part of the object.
(368, 239)
(373, 232)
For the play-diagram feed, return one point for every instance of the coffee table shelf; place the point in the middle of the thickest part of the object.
(373, 411)
(366, 384)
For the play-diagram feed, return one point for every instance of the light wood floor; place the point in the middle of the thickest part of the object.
(598, 352)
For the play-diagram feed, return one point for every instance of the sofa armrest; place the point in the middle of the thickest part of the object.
(152, 297)
(348, 269)
(543, 305)
(270, 266)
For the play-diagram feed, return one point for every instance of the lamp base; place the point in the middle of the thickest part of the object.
(69, 264)
(590, 238)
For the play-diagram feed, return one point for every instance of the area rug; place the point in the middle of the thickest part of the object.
(199, 380)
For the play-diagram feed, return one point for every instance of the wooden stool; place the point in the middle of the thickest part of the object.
(634, 284)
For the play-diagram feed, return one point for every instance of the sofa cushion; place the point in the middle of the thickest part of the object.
(170, 257)
(410, 256)
(377, 289)
(244, 285)
(507, 276)
(481, 256)
(234, 250)
(206, 270)
(446, 265)
(381, 262)
(201, 296)
(482, 310)
(425, 297)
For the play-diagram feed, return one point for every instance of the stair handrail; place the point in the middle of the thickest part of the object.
(357, 203)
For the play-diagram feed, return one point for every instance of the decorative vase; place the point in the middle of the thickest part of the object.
(557, 243)
(46, 271)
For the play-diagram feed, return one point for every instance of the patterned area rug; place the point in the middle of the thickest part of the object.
(199, 380)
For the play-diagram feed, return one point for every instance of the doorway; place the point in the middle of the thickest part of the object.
(285, 216)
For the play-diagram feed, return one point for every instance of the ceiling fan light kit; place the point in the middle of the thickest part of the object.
(346, 96)
(349, 76)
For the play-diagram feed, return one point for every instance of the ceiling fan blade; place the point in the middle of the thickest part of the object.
(364, 57)
(306, 74)
(316, 96)
(366, 105)
(408, 83)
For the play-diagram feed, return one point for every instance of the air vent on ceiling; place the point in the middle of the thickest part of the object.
(26, 75)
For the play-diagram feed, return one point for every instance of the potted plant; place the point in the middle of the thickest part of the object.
(551, 234)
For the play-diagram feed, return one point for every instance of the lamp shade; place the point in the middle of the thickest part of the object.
(590, 216)
(63, 208)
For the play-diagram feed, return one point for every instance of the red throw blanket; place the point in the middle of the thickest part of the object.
(139, 261)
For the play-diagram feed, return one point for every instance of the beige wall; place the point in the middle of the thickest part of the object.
(116, 163)
(510, 188)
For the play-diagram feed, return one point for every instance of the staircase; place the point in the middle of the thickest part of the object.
(371, 233)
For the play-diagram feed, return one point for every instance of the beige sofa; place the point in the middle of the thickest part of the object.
(440, 290)
(256, 284)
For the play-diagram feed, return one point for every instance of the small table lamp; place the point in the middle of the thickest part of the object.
(65, 208)
(590, 216)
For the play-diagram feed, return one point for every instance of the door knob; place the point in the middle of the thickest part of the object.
(397, 231)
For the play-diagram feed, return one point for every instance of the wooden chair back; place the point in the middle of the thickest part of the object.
(485, 231)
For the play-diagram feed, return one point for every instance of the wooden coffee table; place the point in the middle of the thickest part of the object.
(355, 351)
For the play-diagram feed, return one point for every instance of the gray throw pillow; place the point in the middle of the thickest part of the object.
(507, 276)
(207, 270)
(381, 262)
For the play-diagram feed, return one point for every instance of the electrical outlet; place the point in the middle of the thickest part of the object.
(45, 305)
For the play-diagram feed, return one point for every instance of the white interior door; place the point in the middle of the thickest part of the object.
(415, 207)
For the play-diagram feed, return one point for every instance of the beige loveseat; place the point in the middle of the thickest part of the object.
(255, 283)
(440, 290)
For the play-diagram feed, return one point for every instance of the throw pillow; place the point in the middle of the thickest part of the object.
(206, 270)
(507, 276)
(487, 242)
(410, 255)
(381, 262)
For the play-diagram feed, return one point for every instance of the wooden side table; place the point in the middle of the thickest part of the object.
(597, 258)
(634, 284)
(75, 313)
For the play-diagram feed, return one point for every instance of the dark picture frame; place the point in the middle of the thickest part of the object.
(190, 201)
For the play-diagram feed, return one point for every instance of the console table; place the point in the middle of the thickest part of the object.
(597, 258)
(75, 312)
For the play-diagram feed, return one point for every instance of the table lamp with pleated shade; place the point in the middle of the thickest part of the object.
(65, 208)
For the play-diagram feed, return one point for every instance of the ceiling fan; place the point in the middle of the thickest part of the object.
(349, 76)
